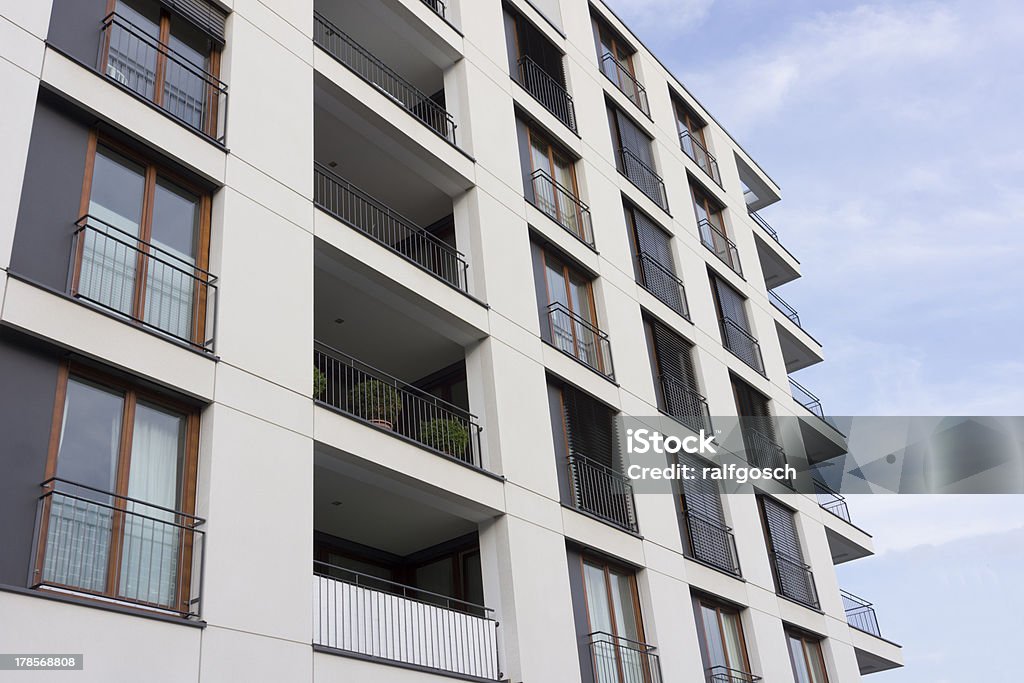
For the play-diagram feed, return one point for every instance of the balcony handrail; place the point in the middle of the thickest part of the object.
(601, 341)
(638, 88)
(834, 503)
(648, 259)
(553, 96)
(52, 486)
(219, 87)
(708, 233)
(712, 162)
(860, 614)
(604, 636)
(723, 674)
(785, 307)
(761, 442)
(404, 93)
(611, 511)
(755, 361)
(584, 220)
(763, 224)
(809, 400)
(694, 519)
(801, 568)
(438, 6)
(87, 222)
(628, 156)
(692, 397)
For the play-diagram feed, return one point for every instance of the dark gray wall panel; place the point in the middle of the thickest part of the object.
(579, 611)
(75, 28)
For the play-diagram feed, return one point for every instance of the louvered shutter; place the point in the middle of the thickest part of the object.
(792, 576)
(730, 303)
(205, 15)
(589, 427)
(634, 139)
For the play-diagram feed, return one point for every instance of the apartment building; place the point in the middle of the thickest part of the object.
(317, 319)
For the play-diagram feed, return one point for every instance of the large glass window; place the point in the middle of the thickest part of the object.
(724, 647)
(806, 658)
(613, 610)
(557, 194)
(574, 321)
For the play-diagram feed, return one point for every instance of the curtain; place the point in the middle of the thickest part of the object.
(170, 281)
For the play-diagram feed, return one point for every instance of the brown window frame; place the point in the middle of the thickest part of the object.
(554, 149)
(719, 608)
(692, 123)
(712, 207)
(591, 303)
(806, 641)
(606, 35)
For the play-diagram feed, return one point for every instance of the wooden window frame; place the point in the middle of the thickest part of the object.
(533, 134)
(806, 642)
(711, 206)
(608, 35)
(591, 303)
(693, 124)
(719, 608)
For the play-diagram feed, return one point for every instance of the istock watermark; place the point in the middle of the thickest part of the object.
(642, 441)
(731, 472)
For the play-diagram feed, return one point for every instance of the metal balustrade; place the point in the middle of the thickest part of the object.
(349, 204)
(811, 402)
(795, 580)
(699, 153)
(638, 172)
(831, 500)
(742, 344)
(624, 80)
(723, 674)
(763, 224)
(573, 335)
(685, 405)
(602, 491)
(151, 286)
(373, 617)
(784, 307)
(762, 450)
(361, 62)
(438, 6)
(720, 245)
(860, 614)
(152, 70)
(620, 660)
(563, 206)
(665, 285)
(99, 543)
(712, 542)
(366, 393)
(546, 90)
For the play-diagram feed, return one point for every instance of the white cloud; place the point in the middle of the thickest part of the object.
(674, 15)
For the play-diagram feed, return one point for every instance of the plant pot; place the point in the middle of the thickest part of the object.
(383, 424)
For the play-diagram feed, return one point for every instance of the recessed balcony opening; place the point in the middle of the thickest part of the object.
(396, 574)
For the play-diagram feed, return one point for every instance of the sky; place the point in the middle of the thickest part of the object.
(894, 130)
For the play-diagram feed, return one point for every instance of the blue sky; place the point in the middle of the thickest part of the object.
(894, 129)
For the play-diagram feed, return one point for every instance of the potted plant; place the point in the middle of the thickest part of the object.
(376, 401)
(446, 435)
(319, 384)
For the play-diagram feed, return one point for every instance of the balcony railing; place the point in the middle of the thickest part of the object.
(831, 500)
(811, 402)
(762, 450)
(723, 674)
(546, 90)
(712, 542)
(173, 82)
(349, 204)
(638, 172)
(742, 344)
(763, 224)
(699, 153)
(795, 580)
(624, 80)
(720, 245)
(685, 405)
(659, 280)
(563, 206)
(97, 543)
(602, 491)
(860, 614)
(372, 617)
(366, 393)
(783, 306)
(621, 660)
(153, 287)
(438, 7)
(573, 335)
(362, 63)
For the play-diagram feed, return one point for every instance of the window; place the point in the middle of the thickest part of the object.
(634, 156)
(693, 140)
(616, 60)
(793, 578)
(711, 226)
(655, 265)
(123, 463)
(725, 650)
(572, 315)
(555, 191)
(613, 613)
(676, 377)
(734, 324)
(143, 244)
(806, 657)
(707, 538)
(537, 67)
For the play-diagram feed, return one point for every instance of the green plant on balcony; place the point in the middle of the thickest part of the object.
(376, 401)
(446, 435)
(319, 384)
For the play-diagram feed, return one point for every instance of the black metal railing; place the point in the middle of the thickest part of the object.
(438, 6)
(699, 153)
(663, 283)
(720, 245)
(783, 306)
(151, 286)
(98, 543)
(811, 402)
(742, 344)
(685, 404)
(831, 500)
(625, 81)
(546, 90)
(723, 674)
(762, 450)
(563, 206)
(860, 614)
(373, 617)
(795, 579)
(638, 172)
(763, 224)
(620, 660)
(349, 204)
(602, 491)
(573, 335)
(712, 542)
(152, 70)
(366, 393)
(361, 62)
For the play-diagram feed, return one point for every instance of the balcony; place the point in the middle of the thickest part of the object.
(741, 344)
(794, 580)
(684, 404)
(562, 205)
(102, 545)
(860, 614)
(147, 285)
(777, 264)
(356, 208)
(627, 84)
(874, 652)
(576, 337)
(620, 660)
(603, 492)
(158, 74)
(831, 501)
(720, 245)
(662, 282)
(545, 89)
(703, 158)
(364, 64)
(712, 543)
(784, 307)
(722, 674)
(642, 176)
